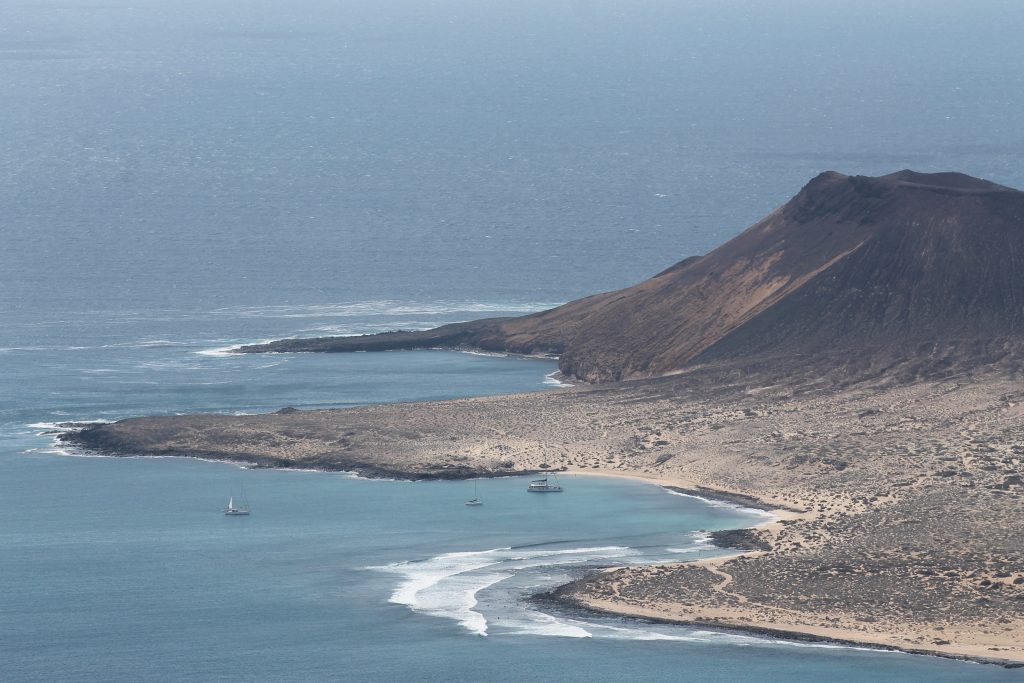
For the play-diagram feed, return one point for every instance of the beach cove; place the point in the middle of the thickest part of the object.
(868, 531)
(136, 571)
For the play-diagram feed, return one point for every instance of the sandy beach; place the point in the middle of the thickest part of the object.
(899, 505)
(713, 600)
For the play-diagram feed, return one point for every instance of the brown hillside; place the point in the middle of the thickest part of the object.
(851, 262)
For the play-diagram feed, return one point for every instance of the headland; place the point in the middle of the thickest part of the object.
(851, 362)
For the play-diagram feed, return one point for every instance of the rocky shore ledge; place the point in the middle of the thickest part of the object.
(564, 599)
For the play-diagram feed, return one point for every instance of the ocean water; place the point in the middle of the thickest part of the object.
(209, 153)
(125, 569)
(178, 178)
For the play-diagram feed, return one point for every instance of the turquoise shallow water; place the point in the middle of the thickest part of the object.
(126, 570)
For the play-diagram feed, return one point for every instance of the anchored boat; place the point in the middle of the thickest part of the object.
(243, 509)
(475, 502)
(542, 486)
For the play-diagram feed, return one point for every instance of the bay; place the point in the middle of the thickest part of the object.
(125, 569)
(179, 178)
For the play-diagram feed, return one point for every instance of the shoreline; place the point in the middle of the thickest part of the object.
(472, 349)
(566, 603)
(365, 472)
(563, 594)
(562, 597)
(62, 437)
(859, 482)
(708, 494)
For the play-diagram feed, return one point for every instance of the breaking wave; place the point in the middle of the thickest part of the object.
(486, 591)
(552, 379)
(764, 514)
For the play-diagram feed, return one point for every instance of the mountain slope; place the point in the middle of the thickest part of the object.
(850, 262)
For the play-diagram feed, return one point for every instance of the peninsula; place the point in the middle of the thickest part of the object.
(852, 360)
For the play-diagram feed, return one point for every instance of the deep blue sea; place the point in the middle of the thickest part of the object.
(180, 177)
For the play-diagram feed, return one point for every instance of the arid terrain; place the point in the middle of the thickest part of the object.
(852, 361)
(901, 507)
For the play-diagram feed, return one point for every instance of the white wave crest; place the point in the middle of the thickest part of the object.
(64, 425)
(447, 585)
(768, 517)
(637, 632)
(64, 452)
(48, 426)
(541, 624)
(552, 379)
(221, 350)
(689, 549)
(232, 350)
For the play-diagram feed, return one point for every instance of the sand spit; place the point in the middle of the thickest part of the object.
(900, 505)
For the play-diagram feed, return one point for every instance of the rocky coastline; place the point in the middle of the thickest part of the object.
(90, 437)
(910, 543)
(852, 363)
(563, 600)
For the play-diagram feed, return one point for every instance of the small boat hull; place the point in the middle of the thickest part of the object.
(542, 486)
(233, 511)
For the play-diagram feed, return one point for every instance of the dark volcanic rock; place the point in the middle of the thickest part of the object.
(850, 265)
(740, 539)
(488, 335)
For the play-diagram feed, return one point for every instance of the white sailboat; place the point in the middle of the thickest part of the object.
(475, 502)
(243, 509)
(542, 486)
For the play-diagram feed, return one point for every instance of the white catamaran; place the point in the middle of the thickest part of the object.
(542, 486)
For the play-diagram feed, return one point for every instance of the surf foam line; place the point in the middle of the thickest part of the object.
(50, 428)
(486, 354)
(447, 585)
(552, 379)
(222, 351)
(766, 516)
(439, 587)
